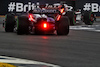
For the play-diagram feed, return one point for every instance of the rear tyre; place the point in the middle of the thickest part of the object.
(22, 25)
(72, 17)
(62, 26)
(9, 22)
(88, 18)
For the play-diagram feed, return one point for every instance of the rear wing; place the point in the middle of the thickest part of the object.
(44, 11)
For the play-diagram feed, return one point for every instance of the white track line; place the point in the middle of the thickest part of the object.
(81, 28)
(84, 28)
(24, 61)
(97, 30)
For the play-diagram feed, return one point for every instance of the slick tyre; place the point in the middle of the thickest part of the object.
(22, 25)
(88, 18)
(72, 17)
(9, 22)
(62, 26)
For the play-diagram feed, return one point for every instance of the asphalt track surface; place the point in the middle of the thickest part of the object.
(79, 49)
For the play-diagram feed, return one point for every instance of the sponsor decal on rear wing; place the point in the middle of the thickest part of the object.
(45, 11)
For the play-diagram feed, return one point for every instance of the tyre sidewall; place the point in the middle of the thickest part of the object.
(63, 26)
(9, 23)
(22, 25)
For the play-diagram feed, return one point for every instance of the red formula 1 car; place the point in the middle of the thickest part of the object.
(39, 21)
